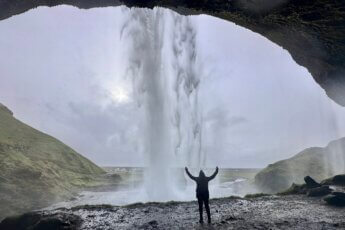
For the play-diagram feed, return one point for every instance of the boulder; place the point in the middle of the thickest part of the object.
(153, 224)
(311, 183)
(328, 181)
(320, 191)
(339, 179)
(40, 221)
(336, 199)
(335, 180)
(339, 194)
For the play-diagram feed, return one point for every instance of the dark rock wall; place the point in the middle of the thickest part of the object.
(313, 31)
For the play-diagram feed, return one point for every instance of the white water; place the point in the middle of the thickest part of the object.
(135, 195)
(163, 65)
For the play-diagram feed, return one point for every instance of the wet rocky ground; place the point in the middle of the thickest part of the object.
(267, 212)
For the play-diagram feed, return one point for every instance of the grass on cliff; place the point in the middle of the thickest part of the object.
(319, 163)
(37, 169)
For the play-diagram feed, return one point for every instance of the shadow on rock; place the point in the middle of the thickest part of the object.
(38, 221)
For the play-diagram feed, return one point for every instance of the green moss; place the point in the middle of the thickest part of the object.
(229, 197)
(293, 190)
(37, 169)
(255, 195)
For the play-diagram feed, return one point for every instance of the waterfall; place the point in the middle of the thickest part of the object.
(163, 65)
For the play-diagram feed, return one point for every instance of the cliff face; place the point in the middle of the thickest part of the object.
(319, 163)
(37, 169)
(313, 31)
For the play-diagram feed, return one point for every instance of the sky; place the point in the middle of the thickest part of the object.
(63, 71)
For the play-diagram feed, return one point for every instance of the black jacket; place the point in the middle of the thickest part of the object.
(202, 183)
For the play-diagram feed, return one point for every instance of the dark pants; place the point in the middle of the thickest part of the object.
(201, 201)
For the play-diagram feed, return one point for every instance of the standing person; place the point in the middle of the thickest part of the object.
(202, 192)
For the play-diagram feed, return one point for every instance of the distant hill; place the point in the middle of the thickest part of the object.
(319, 163)
(35, 168)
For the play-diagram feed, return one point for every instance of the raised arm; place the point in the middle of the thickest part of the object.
(190, 175)
(213, 175)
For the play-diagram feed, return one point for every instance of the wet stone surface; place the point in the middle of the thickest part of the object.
(269, 212)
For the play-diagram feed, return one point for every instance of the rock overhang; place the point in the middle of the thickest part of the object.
(312, 31)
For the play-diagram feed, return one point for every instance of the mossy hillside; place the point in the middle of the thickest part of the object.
(319, 163)
(37, 169)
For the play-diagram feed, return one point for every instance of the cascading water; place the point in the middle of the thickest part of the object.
(163, 64)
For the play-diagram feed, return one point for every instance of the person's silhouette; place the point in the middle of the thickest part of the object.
(202, 193)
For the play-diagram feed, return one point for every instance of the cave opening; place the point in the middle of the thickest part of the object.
(240, 100)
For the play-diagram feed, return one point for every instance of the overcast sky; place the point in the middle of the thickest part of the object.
(62, 72)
